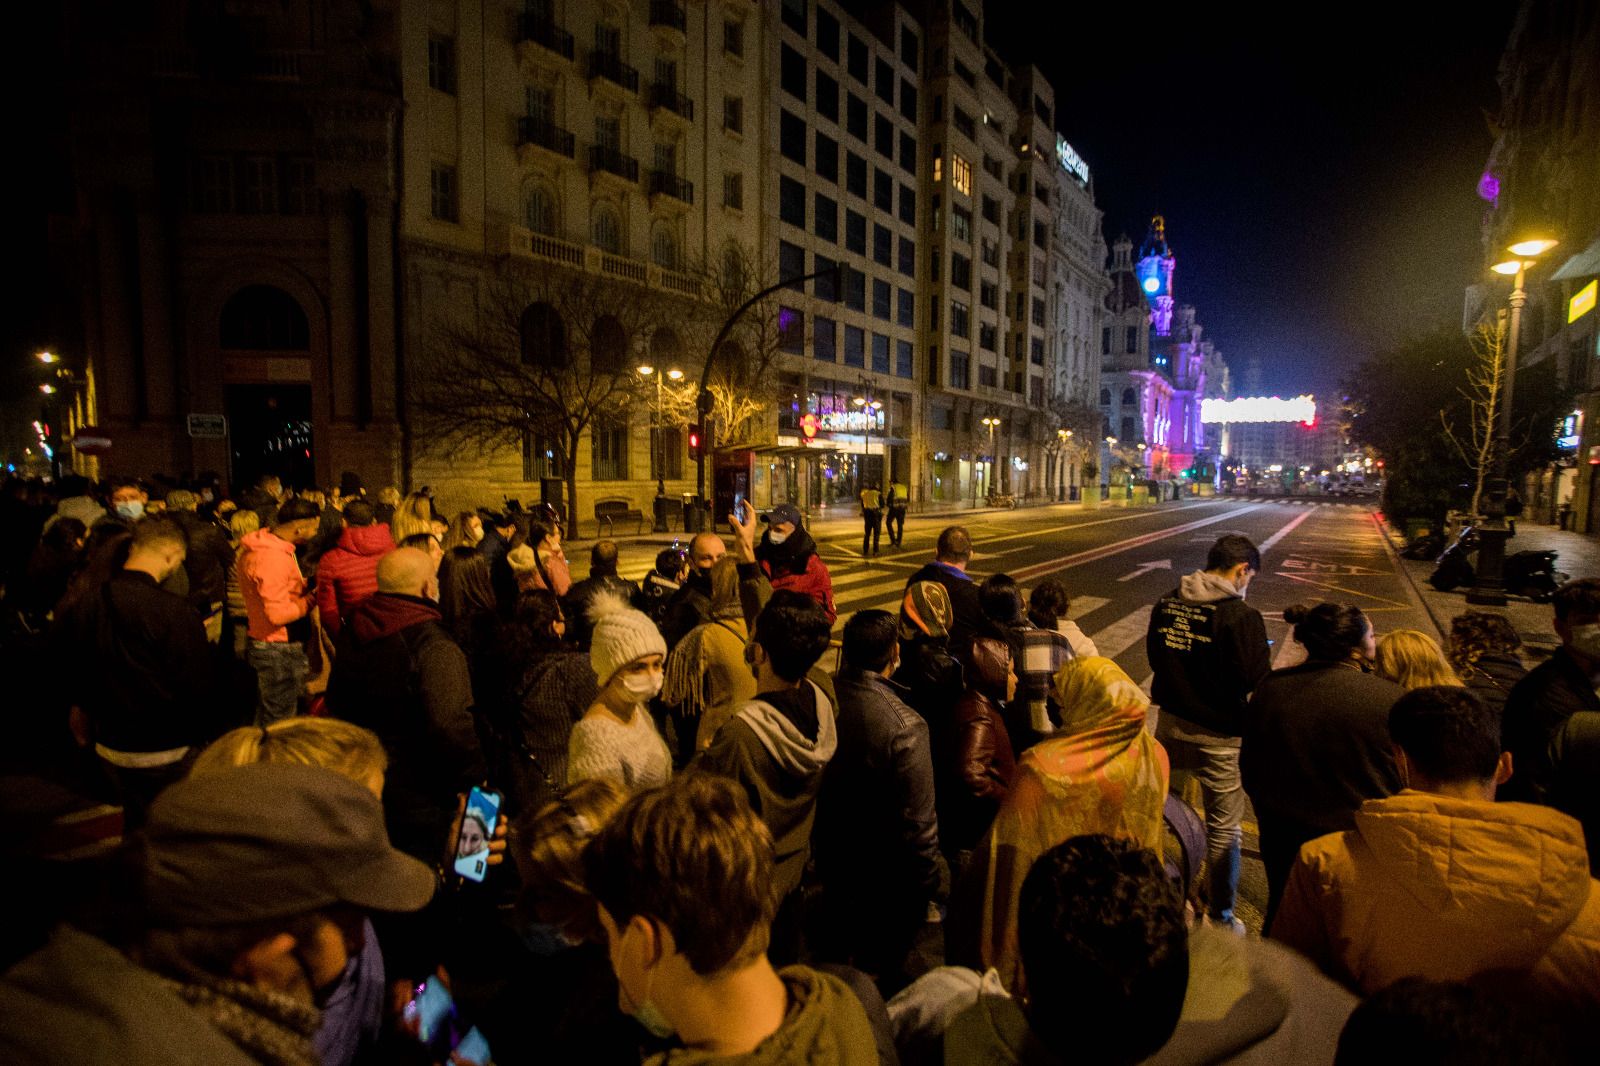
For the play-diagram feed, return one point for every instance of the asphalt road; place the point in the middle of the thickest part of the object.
(1117, 562)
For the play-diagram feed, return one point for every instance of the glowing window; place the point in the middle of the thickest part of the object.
(960, 175)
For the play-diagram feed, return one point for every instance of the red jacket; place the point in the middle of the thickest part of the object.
(273, 588)
(813, 581)
(348, 573)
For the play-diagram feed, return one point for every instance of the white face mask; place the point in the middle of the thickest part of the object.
(132, 510)
(641, 686)
(777, 538)
(1586, 640)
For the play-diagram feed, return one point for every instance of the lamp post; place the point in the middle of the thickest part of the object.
(660, 450)
(1488, 587)
(869, 408)
(1065, 437)
(992, 423)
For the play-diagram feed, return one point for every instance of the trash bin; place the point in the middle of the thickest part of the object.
(694, 513)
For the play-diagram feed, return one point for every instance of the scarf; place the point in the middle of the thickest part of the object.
(268, 1026)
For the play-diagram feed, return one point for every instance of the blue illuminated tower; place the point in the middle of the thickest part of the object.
(1154, 271)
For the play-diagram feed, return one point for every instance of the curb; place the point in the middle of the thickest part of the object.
(1439, 628)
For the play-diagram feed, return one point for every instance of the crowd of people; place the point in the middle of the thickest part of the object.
(245, 731)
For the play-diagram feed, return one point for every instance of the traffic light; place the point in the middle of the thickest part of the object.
(694, 442)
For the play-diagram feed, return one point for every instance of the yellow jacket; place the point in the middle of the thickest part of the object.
(1445, 889)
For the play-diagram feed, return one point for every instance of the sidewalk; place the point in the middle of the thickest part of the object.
(1578, 556)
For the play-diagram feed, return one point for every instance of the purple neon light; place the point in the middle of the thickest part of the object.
(1489, 187)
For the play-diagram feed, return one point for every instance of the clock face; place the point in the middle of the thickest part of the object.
(1152, 279)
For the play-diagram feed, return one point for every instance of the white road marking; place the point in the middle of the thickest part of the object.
(1124, 633)
(1272, 541)
(1145, 568)
(1082, 605)
(1117, 547)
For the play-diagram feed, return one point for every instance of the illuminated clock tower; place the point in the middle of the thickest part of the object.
(1154, 271)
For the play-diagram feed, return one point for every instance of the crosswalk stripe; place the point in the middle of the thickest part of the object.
(1084, 605)
(1124, 633)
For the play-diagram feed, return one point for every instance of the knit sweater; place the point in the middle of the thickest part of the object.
(633, 754)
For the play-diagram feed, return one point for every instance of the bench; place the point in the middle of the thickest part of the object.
(608, 512)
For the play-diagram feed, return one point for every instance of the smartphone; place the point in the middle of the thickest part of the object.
(430, 1009)
(477, 829)
(473, 1049)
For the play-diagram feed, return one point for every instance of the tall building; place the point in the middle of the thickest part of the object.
(1544, 173)
(1079, 287)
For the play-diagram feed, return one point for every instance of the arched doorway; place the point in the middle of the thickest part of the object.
(269, 421)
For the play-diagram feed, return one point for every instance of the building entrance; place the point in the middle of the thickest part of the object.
(269, 432)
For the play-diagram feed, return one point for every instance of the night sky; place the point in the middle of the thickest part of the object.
(1318, 181)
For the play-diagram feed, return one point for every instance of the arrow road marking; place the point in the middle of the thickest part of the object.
(1145, 568)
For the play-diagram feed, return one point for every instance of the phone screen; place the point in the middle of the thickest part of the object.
(477, 829)
(429, 1009)
(473, 1049)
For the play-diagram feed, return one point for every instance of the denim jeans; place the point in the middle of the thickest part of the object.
(1214, 760)
(281, 672)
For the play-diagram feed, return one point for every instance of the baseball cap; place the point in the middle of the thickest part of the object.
(271, 840)
(784, 512)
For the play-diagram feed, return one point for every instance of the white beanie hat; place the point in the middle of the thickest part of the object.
(621, 635)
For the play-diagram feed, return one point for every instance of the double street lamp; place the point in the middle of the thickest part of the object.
(1065, 437)
(994, 460)
(869, 408)
(660, 525)
(1488, 588)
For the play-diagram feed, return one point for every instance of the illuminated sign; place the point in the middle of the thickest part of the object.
(849, 421)
(808, 425)
(1567, 431)
(1071, 161)
(1582, 302)
(1260, 409)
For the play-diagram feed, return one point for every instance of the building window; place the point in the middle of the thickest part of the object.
(539, 457)
(1133, 339)
(959, 324)
(442, 189)
(855, 289)
(666, 453)
(855, 346)
(908, 257)
(857, 59)
(792, 202)
(827, 34)
(1105, 345)
(908, 47)
(908, 100)
(792, 137)
(881, 305)
(883, 191)
(1041, 236)
(883, 76)
(605, 229)
(908, 205)
(855, 117)
(1038, 311)
(963, 123)
(906, 308)
(824, 339)
(989, 295)
(794, 15)
(989, 252)
(988, 377)
(827, 161)
(791, 331)
(1127, 427)
(880, 354)
(855, 174)
(960, 175)
(792, 73)
(258, 185)
(827, 96)
(300, 195)
(826, 286)
(733, 191)
(902, 359)
(1036, 391)
(960, 372)
(883, 136)
(960, 271)
(733, 114)
(664, 247)
(908, 153)
(791, 263)
(1036, 351)
(442, 64)
(961, 224)
(1129, 397)
(938, 167)
(941, 416)
(825, 218)
(1105, 397)
(855, 232)
(609, 441)
(991, 210)
(882, 245)
(541, 209)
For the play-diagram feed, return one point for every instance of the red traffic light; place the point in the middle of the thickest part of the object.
(694, 442)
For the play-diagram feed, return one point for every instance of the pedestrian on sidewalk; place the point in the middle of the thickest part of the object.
(871, 519)
(1208, 651)
(1563, 685)
(278, 605)
(897, 514)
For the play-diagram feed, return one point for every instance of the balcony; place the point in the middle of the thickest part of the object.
(670, 20)
(664, 184)
(610, 164)
(608, 67)
(537, 138)
(544, 35)
(667, 102)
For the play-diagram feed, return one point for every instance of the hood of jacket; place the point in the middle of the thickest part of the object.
(1205, 587)
(825, 1025)
(1510, 874)
(386, 613)
(990, 661)
(792, 750)
(367, 540)
(265, 540)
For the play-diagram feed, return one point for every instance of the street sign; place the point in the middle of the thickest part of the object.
(91, 440)
(208, 427)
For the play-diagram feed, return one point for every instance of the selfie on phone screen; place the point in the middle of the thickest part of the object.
(477, 830)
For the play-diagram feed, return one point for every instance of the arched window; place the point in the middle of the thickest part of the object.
(541, 209)
(1129, 396)
(263, 318)
(664, 247)
(733, 271)
(544, 337)
(608, 346)
(605, 229)
(1105, 397)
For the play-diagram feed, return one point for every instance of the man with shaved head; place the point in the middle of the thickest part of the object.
(690, 606)
(398, 673)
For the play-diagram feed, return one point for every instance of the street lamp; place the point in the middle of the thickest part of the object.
(48, 390)
(1488, 587)
(48, 358)
(869, 408)
(660, 524)
(992, 423)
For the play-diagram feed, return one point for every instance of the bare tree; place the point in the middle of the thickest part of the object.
(743, 383)
(1482, 393)
(547, 352)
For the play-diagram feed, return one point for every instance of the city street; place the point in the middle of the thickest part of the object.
(1117, 562)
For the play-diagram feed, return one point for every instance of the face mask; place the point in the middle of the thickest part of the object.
(132, 510)
(1586, 640)
(206, 495)
(655, 1023)
(642, 686)
(777, 538)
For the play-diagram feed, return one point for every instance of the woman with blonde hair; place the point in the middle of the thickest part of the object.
(240, 522)
(1412, 659)
(465, 531)
(346, 749)
(413, 516)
